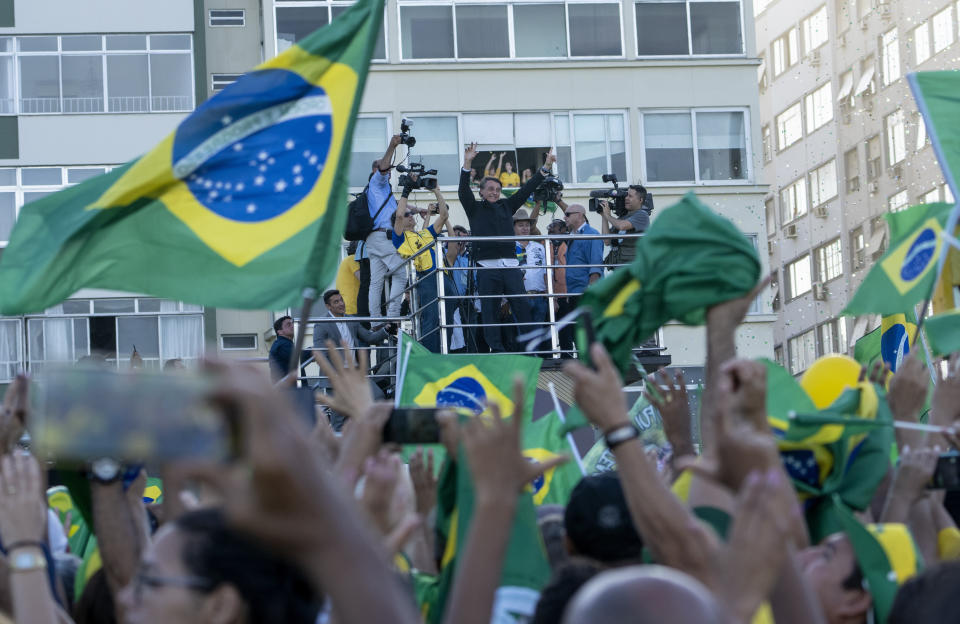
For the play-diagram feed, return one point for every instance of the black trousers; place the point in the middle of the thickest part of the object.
(363, 296)
(500, 282)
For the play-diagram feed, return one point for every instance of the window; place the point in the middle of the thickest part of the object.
(833, 336)
(697, 146)
(663, 27)
(898, 201)
(767, 137)
(803, 351)
(815, 32)
(921, 43)
(896, 141)
(75, 74)
(10, 356)
(370, 138)
(947, 193)
(890, 56)
(295, 19)
(930, 197)
(789, 127)
(778, 355)
(771, 214)
(942, 30)
(851, 168)
(481, 31)
(238, 342)
(866, 84)
(227, 17)
(793, 201)
(219, 82)
(819, 105)
(829, 261)
(874, 158)
(786, 52)
(823, 183)
(857, 249)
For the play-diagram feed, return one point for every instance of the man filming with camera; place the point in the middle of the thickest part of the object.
(493, 216)
(634, 219)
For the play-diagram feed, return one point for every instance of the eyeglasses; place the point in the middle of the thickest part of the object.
(409, 214)
(570, 214)
(145, 579)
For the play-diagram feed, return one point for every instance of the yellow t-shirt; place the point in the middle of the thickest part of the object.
(948, 544)
(410, 243)
(348, 284)
(509, 179)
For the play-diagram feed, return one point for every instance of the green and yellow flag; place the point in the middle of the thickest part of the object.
(905, 275)
(690, 259)
(943, 333)
(544, 439)
(242, 206)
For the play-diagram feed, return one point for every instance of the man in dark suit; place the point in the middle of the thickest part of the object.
(282, 348)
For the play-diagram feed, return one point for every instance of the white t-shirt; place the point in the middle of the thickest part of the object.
(534, 279)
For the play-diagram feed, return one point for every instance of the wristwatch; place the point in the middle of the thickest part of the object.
(105, 470)
(545, 170)
(620, 434)
(26, 560)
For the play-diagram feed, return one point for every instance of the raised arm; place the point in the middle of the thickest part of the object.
(465, 193)
(443, 215)
(517, 199)
(401, 212)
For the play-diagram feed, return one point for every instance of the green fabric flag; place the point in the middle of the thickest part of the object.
(866, 350)
(647, 419)
(938, 98)
(690, 259)
(573, 420)
(905, 275)
(784, 393)
(544, 439)
(242, 206)
(943, 333)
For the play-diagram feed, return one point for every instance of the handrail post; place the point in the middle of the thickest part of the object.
(551, 301)
(440, 298)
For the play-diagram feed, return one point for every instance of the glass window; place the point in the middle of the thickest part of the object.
(594, 29)
(819, 106)
(380, 48)
(39, 84)
(857, 249)
(296, 22)
(793, 200)
(34, 196)
(426, 32)
(169, 42)
(10, 356)
(8, 214)
(715, 27)
(82, 83)
(896, 141)
(921, 43)
(815, 31)
(76, 176)
(482, 31)
(668, 143)
(181, 337)
(81, 43)
(767, 137)
(227, 17)
(41, 176)
(661, 28)
(540, 30)
(171, 81)
(799, 276)
(72, 306)
(873, 157)
(37, 44)
(942, 30)
(823, 183)
(898, 201)
(771, 214)
(947, 194)
(829, 261)
(851, 168)
(439, 146)
(7, 86)
(128, 83)
(721, 146)
(369, 143)
(599, 146)
(8, 177)
(803, 351)
(786, 52)
(126, 42)
(236, 342)
(921, 133)
(113, 306)
(138, 333)
(57, 341)
(890, 56)
(789, 127)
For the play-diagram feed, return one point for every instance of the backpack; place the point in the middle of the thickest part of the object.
(359, 221)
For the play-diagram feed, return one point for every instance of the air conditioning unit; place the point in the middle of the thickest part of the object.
(853, 184)
(790, 231)
(770, 247)
(820, 211)
(819, 291)
(874, 187)
(815, 58)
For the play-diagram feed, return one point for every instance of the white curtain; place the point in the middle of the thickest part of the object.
(182, 338)
(9, 353)
(169, 306)
(57, 340)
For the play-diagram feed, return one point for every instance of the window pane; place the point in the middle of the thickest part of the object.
(439, 145)
(76, 306)
(8, 177)
(715, 27)
(140, 332)
(482, 32)
(380, 49)
(589, 147)
(594, 29)
(39, 84)
(6, 44)
(7, 87)
(426, 31)
(9, 349)
(82, 84)
(126, 42)
(540, 30)
(76, 176)
(668, 145)
(369, 144)
(7, 214)
(41, 176)
(127, 82)
(661, 28)
(295, 23)
(789, 127)
(532, 129)
(81, 43)
(170, 42)
(113, 306)
(721, 146)
(617, 146)
(182, 337)
(31, 197)
(171, 82)
(37, 44)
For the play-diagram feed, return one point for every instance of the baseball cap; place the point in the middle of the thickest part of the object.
(598, 521)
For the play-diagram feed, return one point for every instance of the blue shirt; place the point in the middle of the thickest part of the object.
(581, 251)
(377, 191)
(460, 277)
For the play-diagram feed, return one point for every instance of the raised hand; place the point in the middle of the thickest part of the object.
(550, 159)
(906, 396)
(348, 378)
(469, 154)
(382, 472)
(670, 399)
(362, 438)
(945, 404)
(23, 511)
(424, 480)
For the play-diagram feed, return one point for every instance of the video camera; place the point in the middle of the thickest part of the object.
(548, 190)
(405, 137)
(619, 197)
(422, 181)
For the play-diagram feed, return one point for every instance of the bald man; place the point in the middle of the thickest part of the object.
(644, 595)
(581, 251)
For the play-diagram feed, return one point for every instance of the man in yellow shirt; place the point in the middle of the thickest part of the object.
(348, 279)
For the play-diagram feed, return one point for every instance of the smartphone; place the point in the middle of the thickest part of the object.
(132, 416)
(412, 425)
(947, 474)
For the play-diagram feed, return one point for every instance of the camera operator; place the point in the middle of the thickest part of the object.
(493, 216)
(384, 260)
(635, 221)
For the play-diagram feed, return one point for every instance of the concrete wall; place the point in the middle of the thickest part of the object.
(102, 16)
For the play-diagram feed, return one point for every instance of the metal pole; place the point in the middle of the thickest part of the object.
(551, 301)
(440, 298)
(309, 296)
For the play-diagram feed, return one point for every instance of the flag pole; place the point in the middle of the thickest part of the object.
(570, 441)
(309, 296)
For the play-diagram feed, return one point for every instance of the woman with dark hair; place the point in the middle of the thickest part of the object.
(199, 569)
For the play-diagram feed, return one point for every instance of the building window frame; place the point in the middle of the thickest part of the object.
(690, 53)
(791, 275)
(828, 265)
(781, 128)
(14, 365)
(800, 361)
(256, 342)
(227, 18)
(330, 5)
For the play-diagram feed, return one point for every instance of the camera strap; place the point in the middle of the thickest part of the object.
(379, 210)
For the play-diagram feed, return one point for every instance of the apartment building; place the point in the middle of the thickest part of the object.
(842, 145)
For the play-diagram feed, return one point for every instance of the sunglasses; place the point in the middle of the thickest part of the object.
(409, 214)
(568, 214)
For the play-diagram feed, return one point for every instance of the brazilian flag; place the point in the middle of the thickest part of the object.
(690, 259)
(943, 333)
(242, 206)
(905, 275)
(544, 439)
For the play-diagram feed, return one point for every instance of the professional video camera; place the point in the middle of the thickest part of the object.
(619, 197)
(422, 181)
(405, 137)
(548, 190)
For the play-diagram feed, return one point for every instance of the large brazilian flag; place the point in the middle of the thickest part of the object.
(242, 206)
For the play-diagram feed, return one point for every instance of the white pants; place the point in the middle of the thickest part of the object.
(385, 262)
